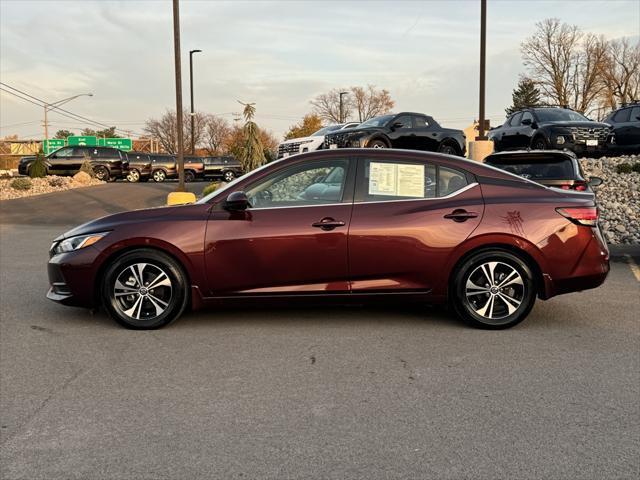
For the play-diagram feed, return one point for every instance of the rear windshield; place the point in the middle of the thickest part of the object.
(551, 169)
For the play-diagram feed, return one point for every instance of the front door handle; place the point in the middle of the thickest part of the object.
(460, 215)
(328, 223)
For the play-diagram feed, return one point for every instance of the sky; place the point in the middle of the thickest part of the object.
(279, 55)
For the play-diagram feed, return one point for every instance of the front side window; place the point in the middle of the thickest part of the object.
(515, 120)
(622, 115)
(64, 152)
(635, 114)
(421, 122)
(314, 183)
(402, 123)
(527, 116)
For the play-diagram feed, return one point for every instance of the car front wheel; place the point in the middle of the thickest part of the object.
(145, 289)
(102, 173)
(228, 176)
(539, 143)
(493, 289)
(377, 144)
(133, 176)
(447, 149)
(189, 176)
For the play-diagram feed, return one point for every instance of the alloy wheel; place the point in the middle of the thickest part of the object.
(228, 176)
(494, 290)
(159, 176)
(142, 291)
(133, 176)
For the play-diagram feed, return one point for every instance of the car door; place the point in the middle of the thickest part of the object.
(65, 161)
(427, 134)
(408, 216)
(627, 126)
(524, 132)
(293, 238)
(401, 133)
(509, 135)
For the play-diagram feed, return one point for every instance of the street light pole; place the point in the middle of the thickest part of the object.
(483, 57)
(51, 106)
(193, 142)
(341, 109)
(178, 69)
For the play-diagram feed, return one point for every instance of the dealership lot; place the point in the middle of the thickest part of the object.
(306, 393)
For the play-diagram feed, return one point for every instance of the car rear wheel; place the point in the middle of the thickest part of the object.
(189, 176)
(228, 176)
(377, 144)
(493, 289)
(145, 289)
(133, 176)
(159, 176)
(102, 173)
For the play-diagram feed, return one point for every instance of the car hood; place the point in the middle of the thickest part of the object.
(303, 139)
(112, 222)
(576, 124)
(27, 158)
(357, 130)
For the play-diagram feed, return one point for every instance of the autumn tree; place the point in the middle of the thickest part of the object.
(165, 129)
(367, 102)
(309, 124)
(216, 135)
(564, 63)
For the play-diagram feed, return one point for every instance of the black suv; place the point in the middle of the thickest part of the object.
(163, 166)
(626, 127)
(226, 168)
(552, 168)
(108, 163)
(542, 128)
(411, 131)
(139, 166)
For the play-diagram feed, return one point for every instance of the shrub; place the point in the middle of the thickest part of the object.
(636, 167)
(38, 169)
(21, 184)
(87, 168)
(212, 187)
(624, 168)
(56, 182)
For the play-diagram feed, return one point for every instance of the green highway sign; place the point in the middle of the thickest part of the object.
(86, 141)
(125, 144)
(52, 145)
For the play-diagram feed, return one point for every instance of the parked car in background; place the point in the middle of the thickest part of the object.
(139, 167)
(553, 168)
(626, 127)
(406, 130)
(543, 128)
(225, 167)
(340, 226)
(193, 168)
(311, 143)
(163, 166)
(108, 163)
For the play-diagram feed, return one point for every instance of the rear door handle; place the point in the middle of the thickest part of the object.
(460, 215)
(328, 223)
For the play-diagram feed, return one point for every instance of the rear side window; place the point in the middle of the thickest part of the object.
(635, 115)
(450, 181)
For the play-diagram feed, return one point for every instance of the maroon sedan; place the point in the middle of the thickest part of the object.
(341, 225)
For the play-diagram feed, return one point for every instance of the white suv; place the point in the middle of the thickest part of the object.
(294, 146)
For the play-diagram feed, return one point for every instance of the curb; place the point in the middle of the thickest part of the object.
(618, 252)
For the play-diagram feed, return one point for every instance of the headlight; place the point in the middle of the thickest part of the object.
(306, 141)
(76, 243)
(560, 140)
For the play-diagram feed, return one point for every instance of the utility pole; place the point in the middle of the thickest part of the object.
(193, 140)
(178, 68)
(483, 58)
(53, 105)
(341, 109)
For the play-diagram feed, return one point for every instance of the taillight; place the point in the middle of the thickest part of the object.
(565, 187)
(580, 215)
(580, 186)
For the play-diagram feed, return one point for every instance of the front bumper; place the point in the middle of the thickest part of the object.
(72, 278)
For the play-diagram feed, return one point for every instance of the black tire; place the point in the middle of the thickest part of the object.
(483, 305)
(175, 295)
(539, 143)
(189, 176)
(228, 176)
(448, 149)
(133, 176)
(102, 173)
(377, 143)
(159, 176)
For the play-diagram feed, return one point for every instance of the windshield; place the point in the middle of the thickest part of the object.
(377, 121)
(559, 115)
(325, 130)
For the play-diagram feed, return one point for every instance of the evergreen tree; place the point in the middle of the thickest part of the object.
(252, 153)
(526, 94)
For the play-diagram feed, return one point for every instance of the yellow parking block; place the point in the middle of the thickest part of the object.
(180, 198)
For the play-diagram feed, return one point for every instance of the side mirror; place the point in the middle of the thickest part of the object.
(595, 181)
(526, 121)
(395, 125)
(236, 201)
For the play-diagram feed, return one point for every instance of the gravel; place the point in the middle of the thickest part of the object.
(49, 184)
(618, 198)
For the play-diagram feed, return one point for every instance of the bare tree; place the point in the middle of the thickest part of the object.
(587, 76)
(621, 73)
(366, 101)
(327, 106)
(216, 135)
(165, 129)
(369, 102)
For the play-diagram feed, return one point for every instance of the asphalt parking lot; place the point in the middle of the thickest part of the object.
(306, 393)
